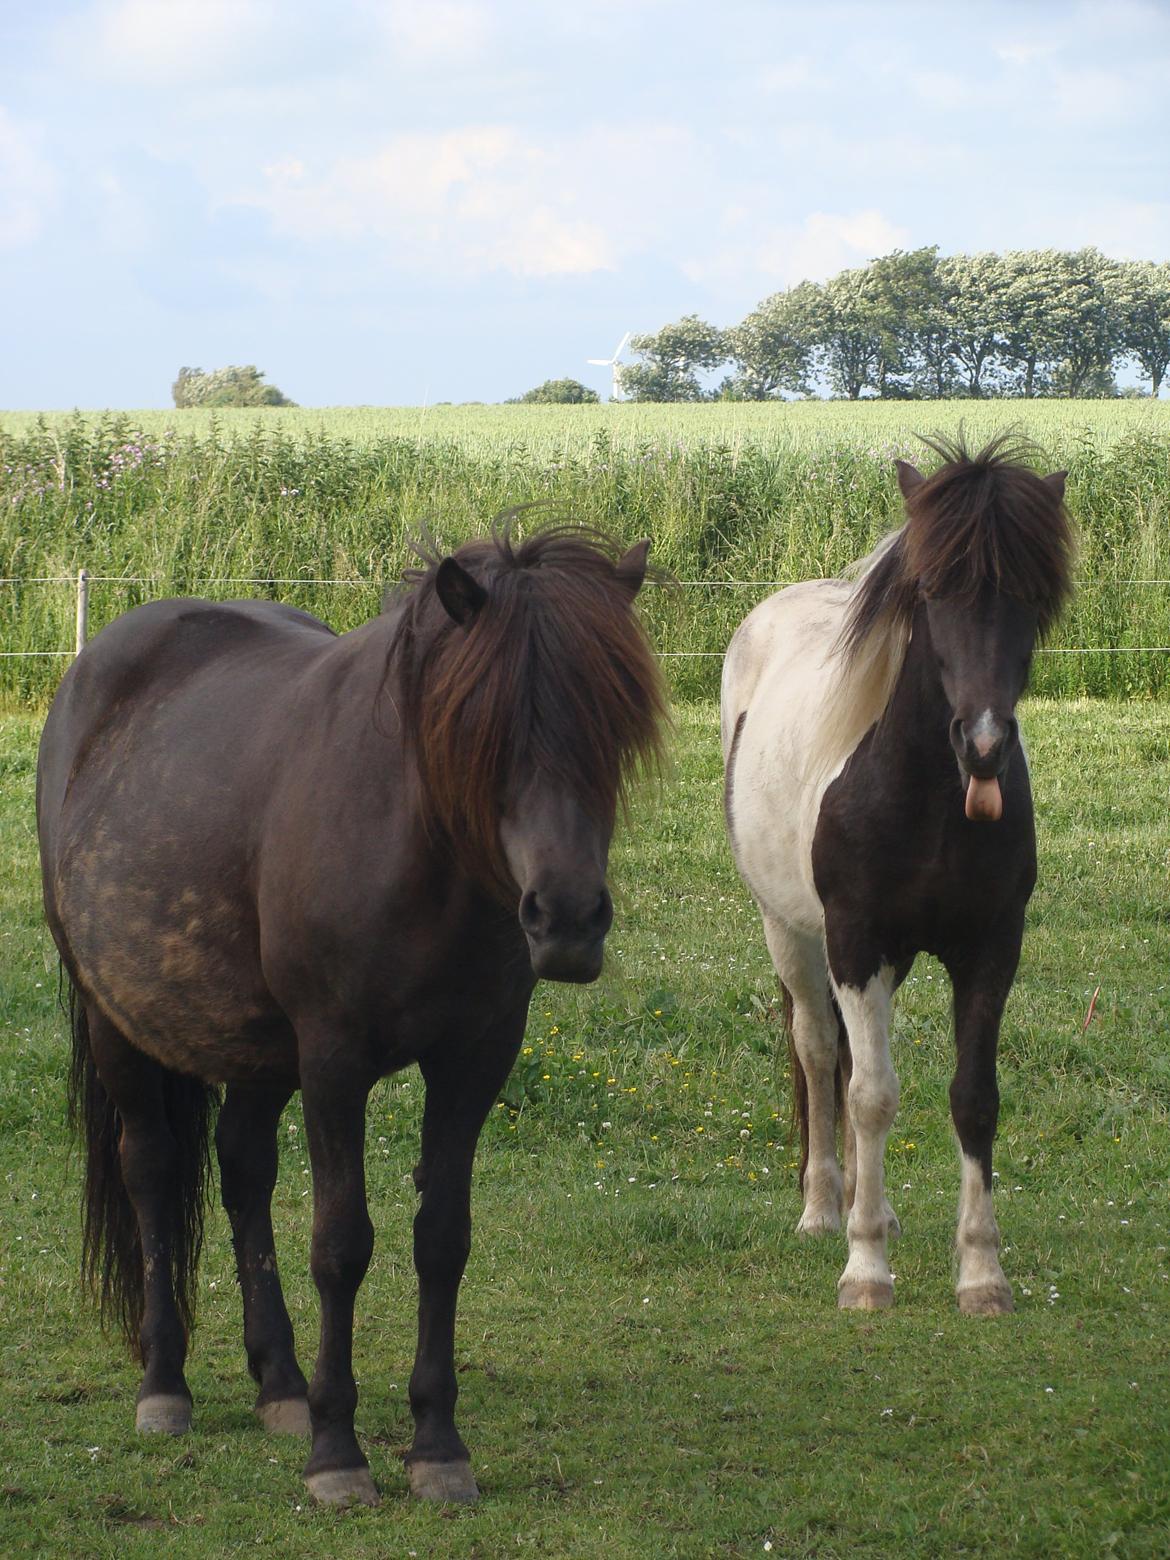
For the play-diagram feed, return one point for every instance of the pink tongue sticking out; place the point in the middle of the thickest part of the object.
(984, 800)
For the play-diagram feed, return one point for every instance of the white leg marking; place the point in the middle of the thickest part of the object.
(800, 964)
(814, 1031)
(866, 1283)
(982, 1288)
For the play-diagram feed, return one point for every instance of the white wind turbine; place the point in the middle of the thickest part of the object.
(612, 363)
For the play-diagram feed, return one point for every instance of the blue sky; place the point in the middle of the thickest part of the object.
(391, 202)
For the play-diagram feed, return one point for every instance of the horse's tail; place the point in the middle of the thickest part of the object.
(111, 1251)
(800, 1082)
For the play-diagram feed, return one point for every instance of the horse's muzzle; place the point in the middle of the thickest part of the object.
(984, 747)
(566, 933)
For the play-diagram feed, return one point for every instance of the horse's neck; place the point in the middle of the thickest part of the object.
(914, 731)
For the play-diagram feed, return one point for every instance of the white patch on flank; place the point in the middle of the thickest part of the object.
(804, 712)
(873, 1103)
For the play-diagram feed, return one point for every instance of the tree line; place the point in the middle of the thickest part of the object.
(915, 324)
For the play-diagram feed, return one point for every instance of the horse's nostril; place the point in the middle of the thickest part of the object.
(532, 916)
(603, 913)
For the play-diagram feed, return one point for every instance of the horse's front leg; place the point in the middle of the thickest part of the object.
(461, 1087)
(981, 984)
(867, 1283)
(334, 1098)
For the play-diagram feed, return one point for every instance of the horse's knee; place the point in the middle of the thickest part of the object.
(974, 1111)
(441, 1247)
(873, 1099)
(340, 1258)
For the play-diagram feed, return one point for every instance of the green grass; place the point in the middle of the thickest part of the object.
(651, 1362)
(734, 497)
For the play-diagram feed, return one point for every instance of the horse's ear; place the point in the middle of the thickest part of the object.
(461, 595)
(909, 477)
(1055, 480)
(631, 568)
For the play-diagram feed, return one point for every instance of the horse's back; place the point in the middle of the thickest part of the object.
(778, 679)
(145, 657)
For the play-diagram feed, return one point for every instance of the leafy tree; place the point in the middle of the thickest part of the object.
(233, 386)
(1141, 292)
(672, 360)
(908, 309)
(557, 392)
(851, 338)
(773, 347)
(973, 286)
(1062, 325)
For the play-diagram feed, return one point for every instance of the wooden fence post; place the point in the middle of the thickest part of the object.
(82, 610)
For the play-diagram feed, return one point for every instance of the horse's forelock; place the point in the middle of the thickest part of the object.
(989, 519)
(554, 675)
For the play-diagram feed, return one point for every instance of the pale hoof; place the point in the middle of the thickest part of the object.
(163, 1413)
(286, 1416)
(827, 1222)
(343, 1487)
(860, 1295)
(987, 1300)
(442, 1481)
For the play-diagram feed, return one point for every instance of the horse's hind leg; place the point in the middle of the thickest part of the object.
(245, 1141)
(867, 1283)
(800, 964)
(154, 1180)
(981, 986)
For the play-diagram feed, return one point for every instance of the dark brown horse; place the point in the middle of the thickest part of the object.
(275, 858)
(879, 805)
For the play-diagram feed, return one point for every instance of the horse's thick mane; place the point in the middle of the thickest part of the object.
(553, 676)
(978, 520)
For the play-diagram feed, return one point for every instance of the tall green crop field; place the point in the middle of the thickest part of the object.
(317, 508)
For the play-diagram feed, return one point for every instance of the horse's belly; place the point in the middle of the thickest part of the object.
(176, 968)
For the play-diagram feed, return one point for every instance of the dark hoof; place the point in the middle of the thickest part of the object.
(343, 1487)
(859, 1296)
(442, 1481)
(285, 1416)
(987, 1300)
(163, 1413)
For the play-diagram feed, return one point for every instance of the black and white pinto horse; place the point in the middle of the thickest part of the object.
(878, 805)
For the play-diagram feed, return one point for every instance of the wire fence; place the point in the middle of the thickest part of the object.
(82, 581)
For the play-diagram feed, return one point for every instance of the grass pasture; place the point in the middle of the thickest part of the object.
(651, 1362)
(317, 508)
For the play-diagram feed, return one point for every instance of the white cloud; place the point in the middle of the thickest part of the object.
(820, 246)
(488, 197)
(169, 43)
(438, 32)
(28, 184)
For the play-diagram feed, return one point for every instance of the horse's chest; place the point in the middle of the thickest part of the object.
(918, 872)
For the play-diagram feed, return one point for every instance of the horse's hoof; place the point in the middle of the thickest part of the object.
(864, 1295)
(986, 1300)
(163, 1413)
(827, 1223)
(343, 1487)
(442, 1481)
(285, 1416)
